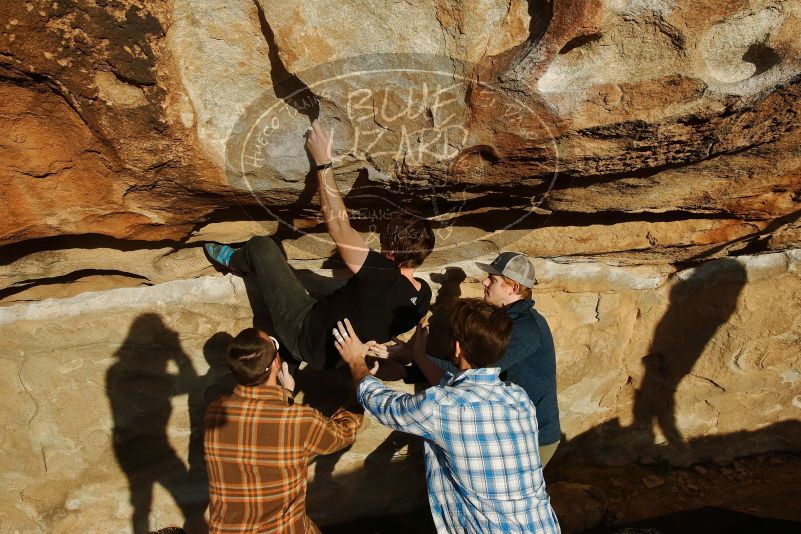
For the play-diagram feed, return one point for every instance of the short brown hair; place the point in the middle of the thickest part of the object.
(524, 292)
(410, 238)
(482, 331)
(250, 357)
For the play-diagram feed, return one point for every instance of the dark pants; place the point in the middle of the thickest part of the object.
(285, 297)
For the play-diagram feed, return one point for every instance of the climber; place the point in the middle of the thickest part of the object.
(530, 359)
(383, 298)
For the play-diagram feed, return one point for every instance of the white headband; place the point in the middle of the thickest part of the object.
(275, 342)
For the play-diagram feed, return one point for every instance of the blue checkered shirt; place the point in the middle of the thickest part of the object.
(482, 464)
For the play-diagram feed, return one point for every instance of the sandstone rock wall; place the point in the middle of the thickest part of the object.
(696, 365)
(647, 153)
(126, 119)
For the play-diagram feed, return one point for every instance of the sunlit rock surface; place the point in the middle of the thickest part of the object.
(646, 153)
(137, 119)
(695, 366)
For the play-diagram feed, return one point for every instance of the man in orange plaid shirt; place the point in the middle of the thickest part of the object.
(258, 444)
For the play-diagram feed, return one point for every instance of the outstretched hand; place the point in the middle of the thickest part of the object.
(319, 143)
(348, 344)
(378, 350)
(406, 352)
(352, 350)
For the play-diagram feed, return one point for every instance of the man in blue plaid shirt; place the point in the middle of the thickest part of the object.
(482, 463)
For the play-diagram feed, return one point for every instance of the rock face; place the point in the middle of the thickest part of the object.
(599, 111)
(580, 507)
(646, 153)
(107, 389)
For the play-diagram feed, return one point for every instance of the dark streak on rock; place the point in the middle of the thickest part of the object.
(578, 42)
(287, 85)
(74, 276)
(11, 253)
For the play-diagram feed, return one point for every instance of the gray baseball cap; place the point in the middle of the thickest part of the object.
(513, 265)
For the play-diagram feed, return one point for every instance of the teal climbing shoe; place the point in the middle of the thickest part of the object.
(219, 255)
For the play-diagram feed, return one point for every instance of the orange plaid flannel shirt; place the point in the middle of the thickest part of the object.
(258, 446)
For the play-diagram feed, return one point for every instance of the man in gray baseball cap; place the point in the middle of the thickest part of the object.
(513, 265)
(530, 358)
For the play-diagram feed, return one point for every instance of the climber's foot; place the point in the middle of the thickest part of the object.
(219, 255)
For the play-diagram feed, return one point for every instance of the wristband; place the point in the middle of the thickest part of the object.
(325, 166)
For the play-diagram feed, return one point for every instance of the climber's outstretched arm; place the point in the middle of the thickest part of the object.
(352, 248)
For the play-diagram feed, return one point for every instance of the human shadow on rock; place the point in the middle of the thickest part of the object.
(700, 305)
(391, 480)
(440, 344)
(360, 487)
(217, 381)
(325, 390)
(140, 385)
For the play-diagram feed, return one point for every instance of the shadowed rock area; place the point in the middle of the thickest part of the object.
(645, 153)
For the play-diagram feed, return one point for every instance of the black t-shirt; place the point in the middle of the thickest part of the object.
(379, 301)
